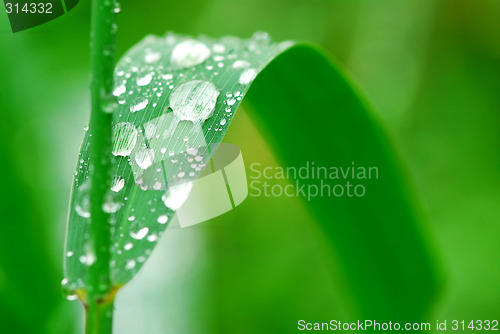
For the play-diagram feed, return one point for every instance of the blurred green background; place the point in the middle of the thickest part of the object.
(430, 68)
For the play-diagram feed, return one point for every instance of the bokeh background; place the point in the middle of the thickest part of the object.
(430, 68)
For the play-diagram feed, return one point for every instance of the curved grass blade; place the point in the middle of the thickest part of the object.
(176, 98)
(177, 95)
(383, 247)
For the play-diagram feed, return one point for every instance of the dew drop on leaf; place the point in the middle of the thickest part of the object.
(130, 264)
(194, 100)
(152, 57)
(139, 104)
(144, 157)
(247, 76)
(175, 197)
(82, 206)
(124, 139)
(117, 184)
(139, 235)
(119, 90)
(163, 219)
(189, 53)
(144, 79)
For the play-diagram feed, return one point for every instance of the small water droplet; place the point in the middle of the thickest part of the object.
(152, 237)
(163, 219)
(223, 121)
(139, 104)
(130, 264)
(152, 57)
(145, 79)
(139, 235)
(119, 90)
(241, 64)
(247, 76)
(189, 53)
(82, 206)
(110, 205)
(128, 246)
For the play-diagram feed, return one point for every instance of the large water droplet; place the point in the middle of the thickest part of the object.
(189, 53)
(144, 157)
(175, 197)
(194, 100)
(124, 139)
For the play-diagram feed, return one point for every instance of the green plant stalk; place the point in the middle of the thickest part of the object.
(99, 306)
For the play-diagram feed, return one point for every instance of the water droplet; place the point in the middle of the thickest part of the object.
(194, 100)
(69, 254)
(71, 297)
(189, 53)
(124, 139)
(117, 184)
(131, 218)
(110, 205)
(117, 8)
(144, 80)
(152, 57)
(144, 157)
(119, 90)
(175, 197)
(247, 76)
(64, 281)
(163, 219)
(223, 121)
(139, 104)
(219, 48)
(128, 246)
(139, 235)
(152, 237)
(230, 102)
(130, 264)
(241, 64)
(82, 200)
(192, 151)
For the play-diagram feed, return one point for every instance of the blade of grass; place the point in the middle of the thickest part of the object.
(176, 93)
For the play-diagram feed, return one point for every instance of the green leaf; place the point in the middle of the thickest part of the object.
(177, 97)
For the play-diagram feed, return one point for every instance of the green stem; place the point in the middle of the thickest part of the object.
(99, 306)
(99, 317)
